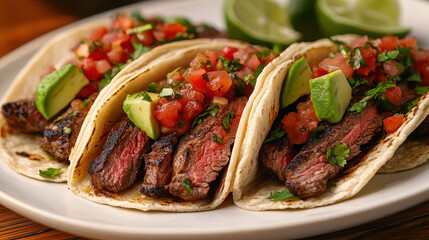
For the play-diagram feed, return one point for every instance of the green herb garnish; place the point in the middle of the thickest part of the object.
(146, 97)
(374, 93)
(227, 120)
(217, 139)
(85, 104)
(152, 87)
(186, 183)
(275, 133)
(387, 56)
(212, 110)
(50, 172)
(67, 130)
(282, 196)
(230, 66)
(58, 119)
(139, 49)
(337, 154)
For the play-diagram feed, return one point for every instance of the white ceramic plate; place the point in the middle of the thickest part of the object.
(54, 205)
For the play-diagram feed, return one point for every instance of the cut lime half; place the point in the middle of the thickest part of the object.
(365, 17)
(259, 22)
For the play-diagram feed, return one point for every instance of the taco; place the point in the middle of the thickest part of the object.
(41, 119)
(167, 138)
(334, 132)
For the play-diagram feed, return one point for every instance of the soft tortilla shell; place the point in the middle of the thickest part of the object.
(109, 110)
(250, 190)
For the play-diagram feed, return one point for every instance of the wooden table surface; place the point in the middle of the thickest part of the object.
(20, 24)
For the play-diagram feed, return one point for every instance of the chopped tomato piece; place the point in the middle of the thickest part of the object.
(391, 124)
(392, 68)
(307, 114)
(359, 42)
(421, 56)
(97, 54)
(338, 62)
(318, 72)
(269, 58)
(394, 94)
(380, 77)
(167, 112)
(243, 72)
(253, 62)
(102, 66)
(172, 29)
(219, 82)
(89, 69)
(296, 133)
(81, 51)
(228, 52)
(86, 91)
(243, 54)
(118, 55)
(388, 43)
(423, 69)
(123, 22)
(192, 101)
(197, 80)
(148, 38)
(408, 41)
(97, 34)
(205, 60)
(369, 54)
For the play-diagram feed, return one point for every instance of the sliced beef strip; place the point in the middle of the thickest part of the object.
(159, 167)
(115, 169)
(23, 116)
(199, 158)
(276, 156)
(308, 173)
(60, 136)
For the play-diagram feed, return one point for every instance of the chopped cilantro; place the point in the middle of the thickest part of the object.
(146, 97)
(230, 66)
(332, 184)
(282, 196)
(356, 59)
(252, 77)
(85, 104)
(217, 139)
(153, 87)
(263, 54)
(58, 119)
(227, 120)
(421, 90)
(387, 56)
(174, 71)
(74, 114)
(50, 172)
(140, 29)
(414, 77)
(67, 130)
(212, 110)
(337, 154)
(275, 134)
(139, 49)
(166, 93)
(186, 183)
(374, 93)
(317, 133)
(137, 16)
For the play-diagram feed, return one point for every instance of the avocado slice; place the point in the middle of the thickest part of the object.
(296, 83)
(58, 89)
(138, 108)
(331, 95)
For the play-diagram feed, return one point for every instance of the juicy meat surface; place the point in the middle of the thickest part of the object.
(115, 169)
(158, 166)
(60, 136)
(23, 116)
(276, 156)
(199, 158)
(308, 173)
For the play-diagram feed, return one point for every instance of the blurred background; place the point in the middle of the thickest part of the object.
(24, 20)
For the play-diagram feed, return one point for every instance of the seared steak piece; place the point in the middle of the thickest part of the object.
(117, 166)
(23, 116)
(203, 152)
(308, 173)
(276, 156)
(60, 136)
(158, 166)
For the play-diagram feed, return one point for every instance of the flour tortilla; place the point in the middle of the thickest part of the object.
(251, 189)
(23, 151)
(109, 110)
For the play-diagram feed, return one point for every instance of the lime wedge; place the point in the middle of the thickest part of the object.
(259, 22)
(365, 17)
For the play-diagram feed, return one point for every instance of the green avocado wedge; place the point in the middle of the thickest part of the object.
(296, 83)
(58, 89)
(331, 95)
(138, 108)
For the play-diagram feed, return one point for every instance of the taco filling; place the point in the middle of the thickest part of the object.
(353, 98)
(105, 52)
(180, 131)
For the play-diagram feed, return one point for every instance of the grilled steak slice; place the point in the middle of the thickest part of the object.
(158, 166)
(23, 116)
(276, 156)
(308, 173)
(200, 156)
(117, 166)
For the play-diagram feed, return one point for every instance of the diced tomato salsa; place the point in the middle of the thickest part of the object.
(212, 74)
(109, 47)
